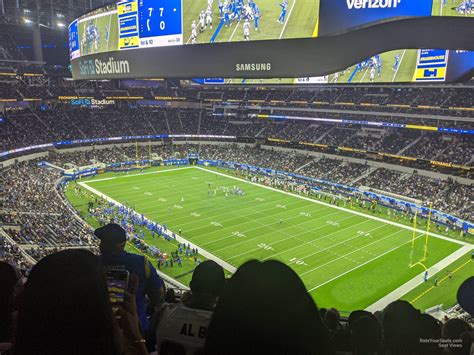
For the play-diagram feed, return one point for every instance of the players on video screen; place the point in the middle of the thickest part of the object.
(91, 37)
(373, 66)
(246, 12)
(464, 8)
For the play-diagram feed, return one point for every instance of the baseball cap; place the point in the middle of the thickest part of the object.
(208, 277)
(111, 234)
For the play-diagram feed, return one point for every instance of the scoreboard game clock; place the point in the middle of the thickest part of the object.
(160, 23)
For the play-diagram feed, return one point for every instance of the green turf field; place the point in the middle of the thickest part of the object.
(404, 73)
(346, 260)
(449, 9)
(300, 21)
(427, 295)
(105, 23)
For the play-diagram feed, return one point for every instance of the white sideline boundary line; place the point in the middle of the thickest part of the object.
(135, 175)
(363, 264)
(287, 19)
(345, 255)
(180, 239)
(110, 22)
(418, 280)
(399, 65)
(390, 297)
(405, 288)
(339, 208)
(233, 32)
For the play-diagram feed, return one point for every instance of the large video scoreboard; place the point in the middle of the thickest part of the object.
(137, 24)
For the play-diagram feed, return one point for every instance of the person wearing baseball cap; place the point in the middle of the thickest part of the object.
(149, 292)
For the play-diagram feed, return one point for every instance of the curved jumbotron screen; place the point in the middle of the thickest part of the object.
(111, 41)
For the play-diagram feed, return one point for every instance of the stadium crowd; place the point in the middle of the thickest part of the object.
(35, 215)
(54, 297)
(249, 313)
(30, 128)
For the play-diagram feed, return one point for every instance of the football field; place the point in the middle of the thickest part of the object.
(346, 259)
(106, 38)
(403, 73)
(300, 22)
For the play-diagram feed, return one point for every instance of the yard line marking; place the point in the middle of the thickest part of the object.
(235, 29)
(202, 251)
(345, 255)
(176, 220)
(365, 73)
(287, 19)
(327, 236)
(222, 230)
(418, 280)
(339, 208)
(359, 266)
(296, 236)
(399, 65)
(140, 174)
(109, 29)
(278, 241)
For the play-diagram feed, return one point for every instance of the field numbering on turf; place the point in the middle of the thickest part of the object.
(298, 261)
(265, 246)
(238, 234)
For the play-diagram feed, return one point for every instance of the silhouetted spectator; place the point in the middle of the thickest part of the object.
(366, 336)
(407, 331)
(265, 308)
(456, 331)
(10, 285)
(66, 309)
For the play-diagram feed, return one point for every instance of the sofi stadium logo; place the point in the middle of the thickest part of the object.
(372, 4)
(100, 67)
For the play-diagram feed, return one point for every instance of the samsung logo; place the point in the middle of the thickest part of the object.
(372, 4)
(253, 67)
(100, 67)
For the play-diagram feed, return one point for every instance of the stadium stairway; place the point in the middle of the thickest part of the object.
(365, 174)
(303, 166)
(5, 235)
(408, 146)
(324, 134)
(54, 167)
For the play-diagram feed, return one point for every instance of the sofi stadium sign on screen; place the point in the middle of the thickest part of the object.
(240, 38)
(132, 24)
